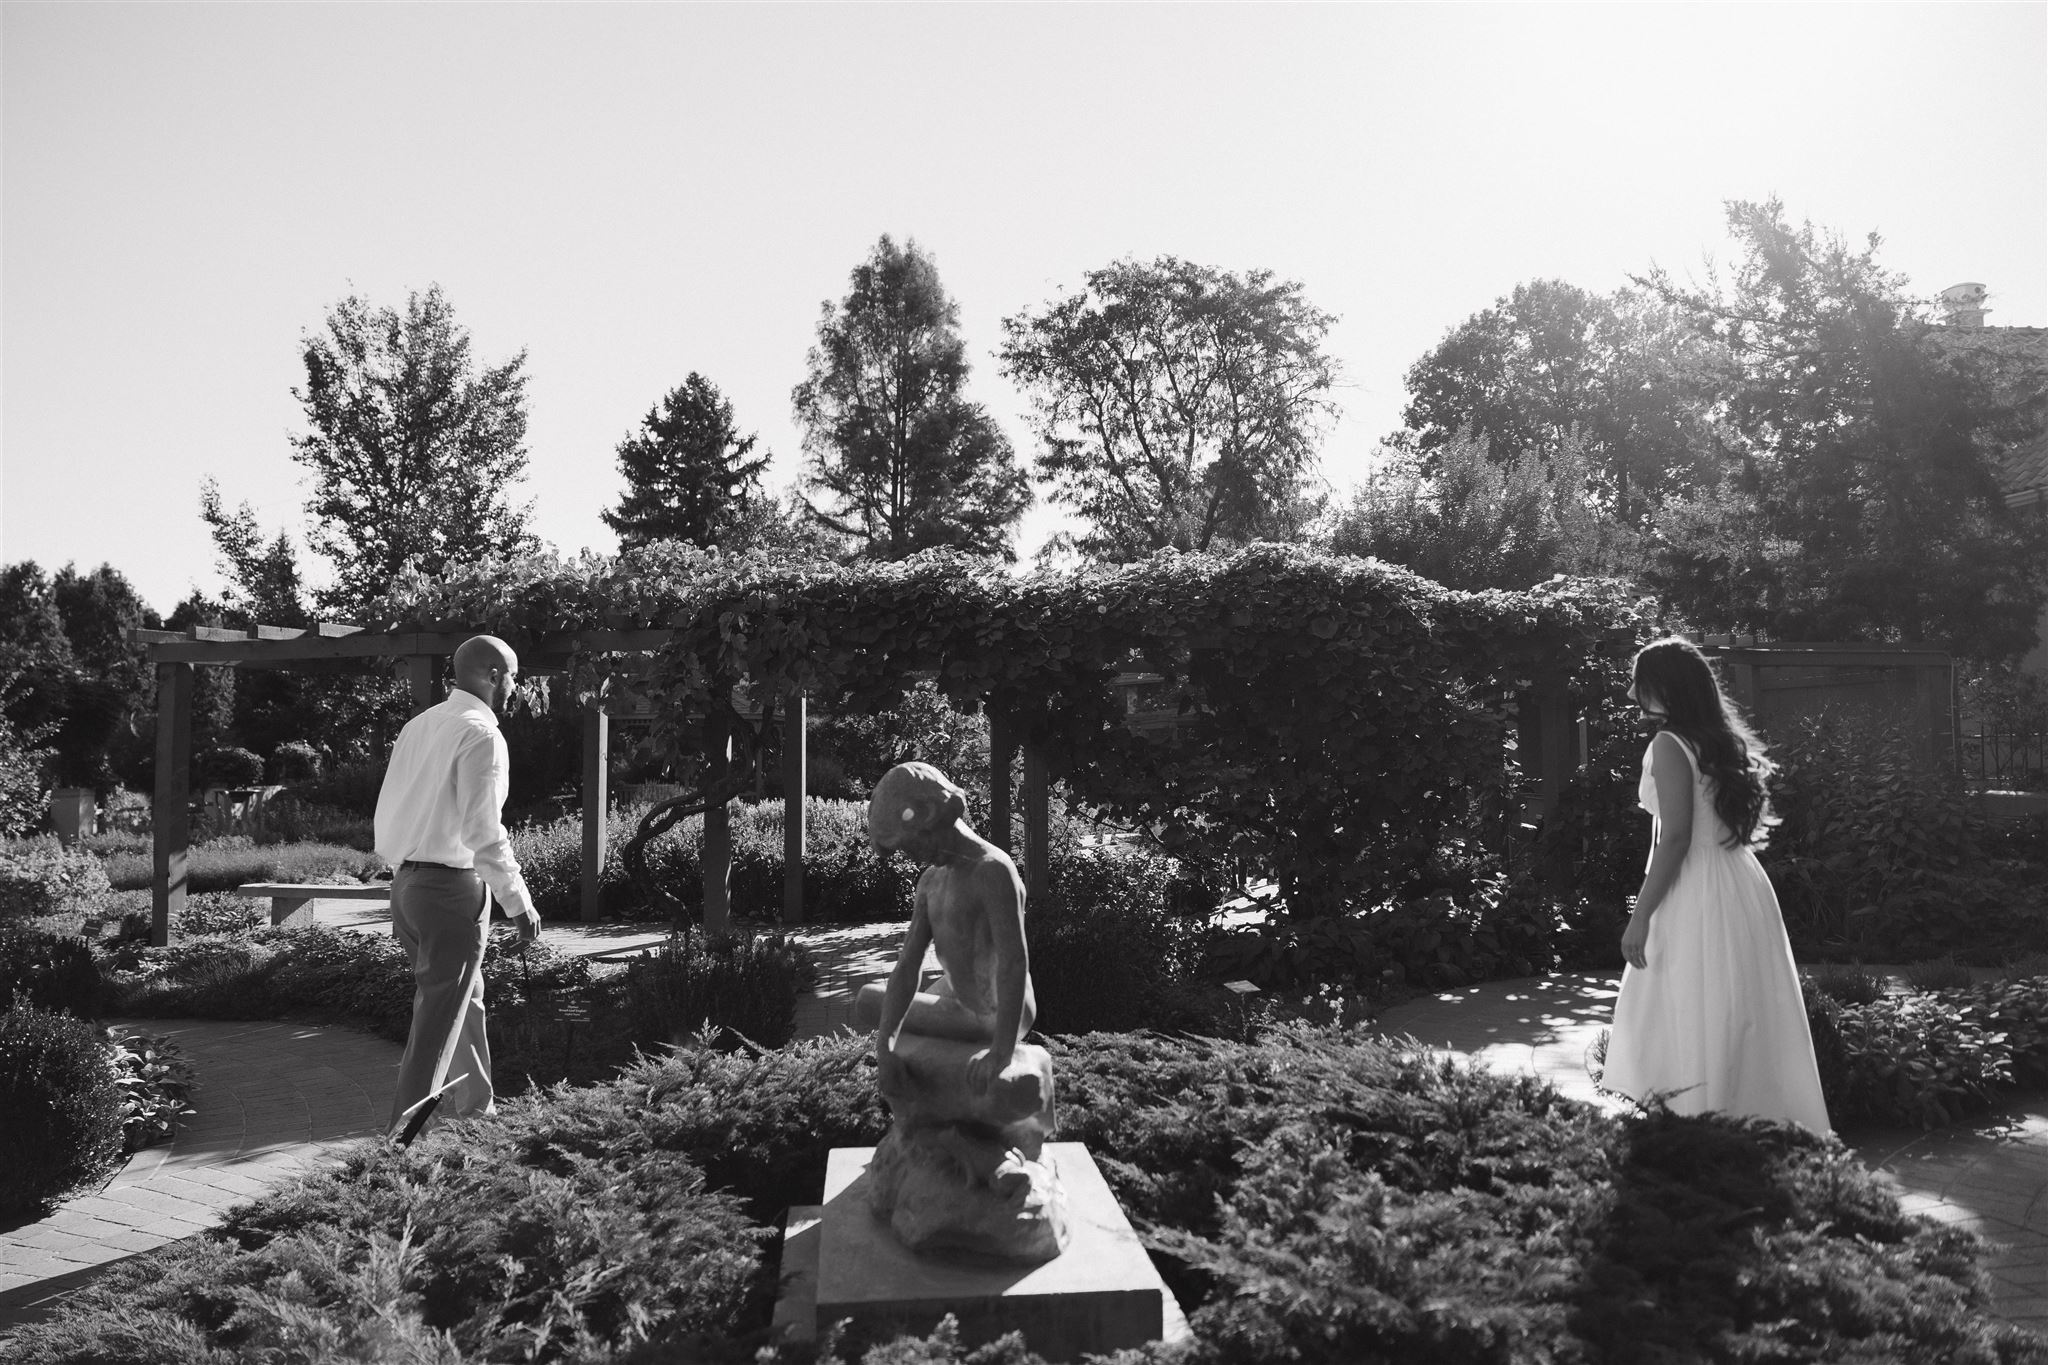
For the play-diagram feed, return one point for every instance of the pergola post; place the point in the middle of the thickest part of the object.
(795, 780)
(422, 672)
(170, 813)
(1002, 759)
(1036, 822)
(717, 833)
(596, 775)
(1547, 742)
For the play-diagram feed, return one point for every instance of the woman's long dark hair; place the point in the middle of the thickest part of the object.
(1678, 677)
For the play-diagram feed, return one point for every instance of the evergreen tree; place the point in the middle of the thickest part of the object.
(908, 462)
(687, 470)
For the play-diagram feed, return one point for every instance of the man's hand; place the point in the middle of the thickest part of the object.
(529, 926)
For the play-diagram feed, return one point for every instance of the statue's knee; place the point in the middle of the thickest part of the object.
(867, 1006)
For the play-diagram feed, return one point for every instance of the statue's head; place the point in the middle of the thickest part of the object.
(911, 805)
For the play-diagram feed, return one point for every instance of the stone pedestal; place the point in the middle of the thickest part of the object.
(1101, 1295)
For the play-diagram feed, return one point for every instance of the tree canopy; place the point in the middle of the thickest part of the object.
(1176, 405)
(1550, 363)
(412, 447)
(905, 461)
(1859, 461)
(689, 473)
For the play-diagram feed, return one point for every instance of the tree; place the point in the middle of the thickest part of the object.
(1175, 405)
(1551, 363)
(263, 579)
(412, 448)
(1472, 520)
(1858, 459)
(688, 475)
(908, 462)
(111, 688)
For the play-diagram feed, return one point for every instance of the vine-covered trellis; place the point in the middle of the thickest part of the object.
(1338, 717)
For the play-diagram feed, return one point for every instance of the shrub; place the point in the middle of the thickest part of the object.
(294, 761)
(60, 1107)
(1922, 1059)
(155, 1082)
(1938, 974)
(44, 878)
(1882, 857)
(746, 983)
(228, 766)
(1314, 1196)
(1847, 984)
(24, 759)
(53, 972)
(845, 881)
(1108, 949)
(224, 864)
(348, 787)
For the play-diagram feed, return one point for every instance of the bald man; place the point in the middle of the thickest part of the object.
(438, 825)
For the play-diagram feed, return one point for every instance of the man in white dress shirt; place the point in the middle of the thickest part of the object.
(438, 825)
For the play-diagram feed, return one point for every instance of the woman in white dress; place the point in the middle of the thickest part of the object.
(1710, 1015)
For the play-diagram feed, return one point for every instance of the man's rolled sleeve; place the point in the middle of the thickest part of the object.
(482, 778)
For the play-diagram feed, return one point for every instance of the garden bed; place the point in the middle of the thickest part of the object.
(1314, 1196)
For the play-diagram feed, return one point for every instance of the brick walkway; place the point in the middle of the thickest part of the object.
(1990, 1176)
(272, 1098)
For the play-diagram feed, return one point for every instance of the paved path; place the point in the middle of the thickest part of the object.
(1990, 1176)
(271, 1098)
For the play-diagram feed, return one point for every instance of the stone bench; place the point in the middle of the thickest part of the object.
(292, 903)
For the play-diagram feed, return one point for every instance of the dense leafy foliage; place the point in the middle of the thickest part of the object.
(746, 983)
(60, 1107)
(1312, 1196)
(52, 971)
(42, 877)
(1338, 719)
(1859, 456)
(411, 448)
(1176, 405)
(1929, 1059)
(155, 1082)
(1882, 857)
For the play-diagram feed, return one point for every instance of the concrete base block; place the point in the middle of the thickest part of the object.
(1102, 1294)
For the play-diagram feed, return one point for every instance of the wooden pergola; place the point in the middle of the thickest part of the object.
(420, 649)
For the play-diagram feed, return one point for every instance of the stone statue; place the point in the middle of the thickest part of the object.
(962, 1167)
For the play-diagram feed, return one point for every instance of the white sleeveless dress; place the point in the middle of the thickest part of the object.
(1715, 1021)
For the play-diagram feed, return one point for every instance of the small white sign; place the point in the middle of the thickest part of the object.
(1241, 987)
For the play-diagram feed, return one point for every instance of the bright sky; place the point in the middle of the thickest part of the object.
(630, 193)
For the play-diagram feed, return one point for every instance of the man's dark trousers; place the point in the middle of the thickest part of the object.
(441, 915)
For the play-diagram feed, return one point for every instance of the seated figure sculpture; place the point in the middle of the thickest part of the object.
(962, 1168)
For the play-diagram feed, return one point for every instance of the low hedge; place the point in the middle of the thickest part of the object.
(61, 1113)
(226, 863)
(42, 877)
(54, 972)
(845, 880)
(747, 983)
(1931, 1058)
(1313, 1196)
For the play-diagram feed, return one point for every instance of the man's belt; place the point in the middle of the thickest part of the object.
(413, 865)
